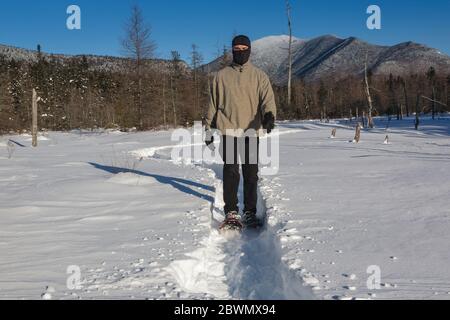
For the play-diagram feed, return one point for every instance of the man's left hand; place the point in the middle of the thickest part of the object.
(269, 122)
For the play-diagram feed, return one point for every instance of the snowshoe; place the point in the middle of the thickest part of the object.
(251, 221)
(232, 222)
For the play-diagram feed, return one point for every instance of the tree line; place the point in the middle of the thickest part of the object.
(147, 93)
(74, 94)
(397, 96)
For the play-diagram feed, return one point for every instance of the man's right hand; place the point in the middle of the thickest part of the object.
(209, 139)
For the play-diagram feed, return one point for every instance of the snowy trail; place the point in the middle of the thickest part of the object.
(247, 266)
(240, 267)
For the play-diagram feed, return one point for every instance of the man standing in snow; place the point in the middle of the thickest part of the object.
(241, 102)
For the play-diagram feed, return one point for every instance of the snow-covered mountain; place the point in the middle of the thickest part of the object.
(333, 56)
(313, 59)
(266, 52)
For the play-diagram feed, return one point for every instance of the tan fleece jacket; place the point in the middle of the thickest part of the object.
(239, 98)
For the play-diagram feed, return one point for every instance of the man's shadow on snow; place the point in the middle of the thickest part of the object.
(182, 185)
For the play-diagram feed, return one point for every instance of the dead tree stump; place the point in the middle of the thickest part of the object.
(333, 133)
(357, 133)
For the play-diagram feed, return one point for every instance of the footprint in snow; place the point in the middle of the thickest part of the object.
(393, 258)
(388, 285)
(351, 288)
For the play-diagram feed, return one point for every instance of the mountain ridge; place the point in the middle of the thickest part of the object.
(98, 62)
(312, 60)
(332, 56)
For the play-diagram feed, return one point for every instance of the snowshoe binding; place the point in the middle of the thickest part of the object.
(232, 222)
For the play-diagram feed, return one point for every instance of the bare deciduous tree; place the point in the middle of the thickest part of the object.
(369, 97)
(447, 86)
(34, 126)
(417, 119)
(431, 75)
(139, 46)
(196, 62)
(289, 89)
(174, 75)
(164, 102)
(405, 95)
(225, 57)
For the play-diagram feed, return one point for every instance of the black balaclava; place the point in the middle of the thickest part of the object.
(242, 57)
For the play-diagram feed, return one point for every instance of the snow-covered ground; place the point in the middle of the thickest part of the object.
(139, 226)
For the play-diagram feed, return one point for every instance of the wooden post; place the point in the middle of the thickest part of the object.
(34, 128)
(357, 133)
(333, 133)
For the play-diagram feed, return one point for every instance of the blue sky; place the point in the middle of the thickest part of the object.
(210, 24)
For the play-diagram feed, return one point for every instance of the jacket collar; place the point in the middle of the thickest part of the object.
(241, 68)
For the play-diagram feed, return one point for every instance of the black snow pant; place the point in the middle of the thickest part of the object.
(235, 152)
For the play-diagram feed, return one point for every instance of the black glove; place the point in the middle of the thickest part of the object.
(209, 139)
(269, 122)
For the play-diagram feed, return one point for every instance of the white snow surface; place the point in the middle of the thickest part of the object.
(140, 226)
